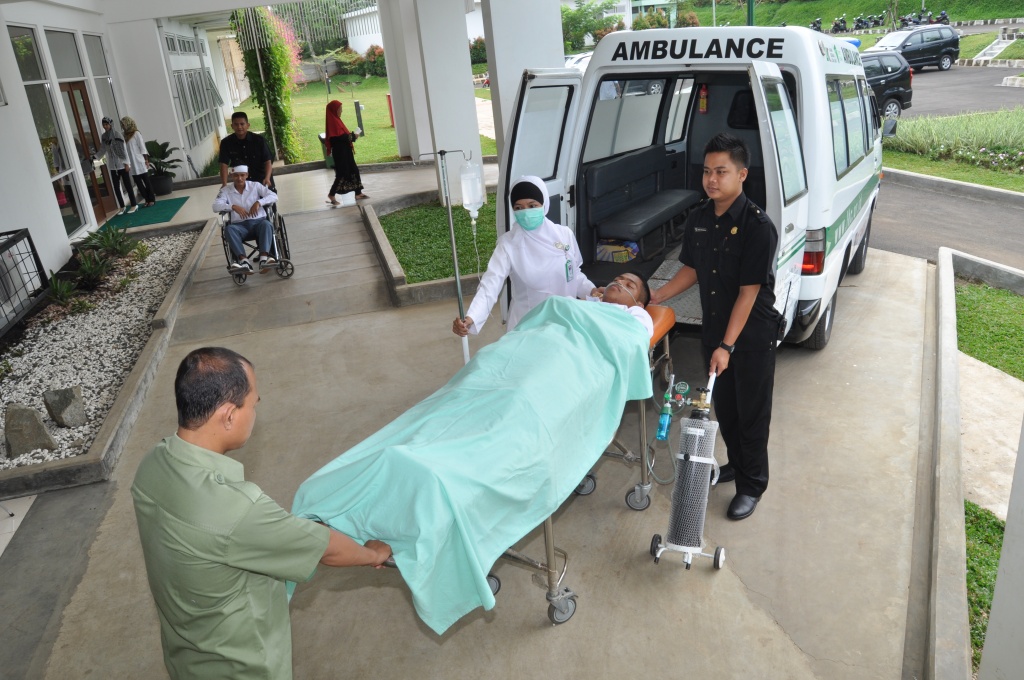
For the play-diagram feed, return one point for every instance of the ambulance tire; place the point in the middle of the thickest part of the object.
(860, 260)
(823, 331)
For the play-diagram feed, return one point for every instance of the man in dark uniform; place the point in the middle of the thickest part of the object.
(729, 248)
(248, 149)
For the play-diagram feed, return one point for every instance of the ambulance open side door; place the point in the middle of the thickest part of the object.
(538, 143)
(785, 180)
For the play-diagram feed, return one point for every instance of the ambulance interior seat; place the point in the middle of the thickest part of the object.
(627, 200)
(740, 120)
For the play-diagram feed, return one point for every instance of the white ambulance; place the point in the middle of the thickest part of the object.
(621, 150)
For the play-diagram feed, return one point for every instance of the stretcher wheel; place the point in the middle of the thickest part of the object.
(719, 557)
(637, 502)
(655, 544)
(587, 486)
(494, 583)
(557, 616)
(239, 279)
(285, 269)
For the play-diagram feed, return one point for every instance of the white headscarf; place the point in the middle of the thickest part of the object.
(548, 234)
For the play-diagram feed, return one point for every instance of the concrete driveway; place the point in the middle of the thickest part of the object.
(963, 88)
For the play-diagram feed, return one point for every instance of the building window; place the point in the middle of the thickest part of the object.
(64, 52)
(195, 103)
(101, 76)
(172, 43)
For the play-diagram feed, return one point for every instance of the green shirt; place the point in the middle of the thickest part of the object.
(218, 552)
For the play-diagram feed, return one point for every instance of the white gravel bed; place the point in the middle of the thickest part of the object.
(96, 349)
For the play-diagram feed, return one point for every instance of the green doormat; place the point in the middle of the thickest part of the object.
(163, 211)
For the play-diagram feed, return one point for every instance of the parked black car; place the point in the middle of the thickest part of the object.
(891, 77)
(924, 46)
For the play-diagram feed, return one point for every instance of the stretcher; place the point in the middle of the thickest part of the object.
(660, 361)
(468, 472)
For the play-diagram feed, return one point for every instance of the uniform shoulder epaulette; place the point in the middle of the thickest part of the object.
(759, 214)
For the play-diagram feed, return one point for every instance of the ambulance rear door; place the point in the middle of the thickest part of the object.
(785, 179)
(539, 139)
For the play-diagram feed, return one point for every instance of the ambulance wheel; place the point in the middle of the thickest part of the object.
(823, 330)
(638, 502)
(494, 583)
(557, 616)
(719, 557)
(655, 544)
(239, 279)
(859, 260)
(587, 486)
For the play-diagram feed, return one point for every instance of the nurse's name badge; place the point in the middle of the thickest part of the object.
(734, 230)
(568, 270)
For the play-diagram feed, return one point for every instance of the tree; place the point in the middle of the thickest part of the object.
(585, 19)
(652, 19)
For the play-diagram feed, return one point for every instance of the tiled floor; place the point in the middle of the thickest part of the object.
(9, 524)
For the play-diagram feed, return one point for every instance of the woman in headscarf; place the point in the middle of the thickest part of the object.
(113, 148)
(541, 257)
(339, 141)
(139, 159)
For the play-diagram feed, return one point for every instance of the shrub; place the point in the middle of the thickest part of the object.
(687, 20)
(61, 290)
(110, 241)
(349, 61)
(81, 306)
(478, 51)
(602, 32)
(92, 269)
(373, 62)
(141, 251)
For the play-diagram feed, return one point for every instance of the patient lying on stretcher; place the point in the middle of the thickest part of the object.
(474, 467)
(632, 292)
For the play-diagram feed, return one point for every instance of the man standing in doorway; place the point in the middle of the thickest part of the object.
(729, 249)
(248, 149)
(218, 551)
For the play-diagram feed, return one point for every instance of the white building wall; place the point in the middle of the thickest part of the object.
(475, 23)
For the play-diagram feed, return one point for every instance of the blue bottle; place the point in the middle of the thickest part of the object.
(664, 422)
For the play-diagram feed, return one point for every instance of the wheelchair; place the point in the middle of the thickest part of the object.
(282, 253)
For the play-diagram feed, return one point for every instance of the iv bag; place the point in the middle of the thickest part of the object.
(472, 187)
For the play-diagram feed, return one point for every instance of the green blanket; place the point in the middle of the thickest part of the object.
(474, 467)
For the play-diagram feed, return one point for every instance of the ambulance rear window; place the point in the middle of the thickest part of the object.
(624, 118)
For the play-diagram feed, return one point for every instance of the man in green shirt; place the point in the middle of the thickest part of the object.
(218, 551)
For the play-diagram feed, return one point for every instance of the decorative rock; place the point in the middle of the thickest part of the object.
(65, 406)
(24, 431)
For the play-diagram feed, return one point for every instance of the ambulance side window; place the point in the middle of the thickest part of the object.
(543, 120)
(624, 118)
(835, 107)
(681, 93)
(849, 123)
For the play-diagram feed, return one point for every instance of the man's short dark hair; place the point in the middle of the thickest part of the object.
(645, 290)
(734, 146)
(207, 378)
(239, 114)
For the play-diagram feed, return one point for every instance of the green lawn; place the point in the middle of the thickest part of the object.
(1014, 51)
(984, 543)
(482, 92)
(990, 326)
(309, 106)
(952, 170)
(802, 13)
(972, 45)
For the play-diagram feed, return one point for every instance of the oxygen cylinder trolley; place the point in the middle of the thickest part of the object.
(696, 472)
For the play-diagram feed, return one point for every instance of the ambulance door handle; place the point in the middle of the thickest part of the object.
(789, 227)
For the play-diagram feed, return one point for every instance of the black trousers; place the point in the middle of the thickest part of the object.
(145, 188)
(121, 177)
(743, 407)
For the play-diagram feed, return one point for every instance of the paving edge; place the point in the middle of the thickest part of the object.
(98, 462)
(952, 187)
(949, 644)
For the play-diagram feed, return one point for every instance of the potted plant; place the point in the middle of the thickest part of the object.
(163, 166)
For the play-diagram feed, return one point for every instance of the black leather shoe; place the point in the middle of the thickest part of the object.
(742, 506)
(726, 473)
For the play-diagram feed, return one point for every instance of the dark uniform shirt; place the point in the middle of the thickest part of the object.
(251, 151)
(728, 251)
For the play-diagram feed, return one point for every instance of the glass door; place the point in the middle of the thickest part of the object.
(87, 143)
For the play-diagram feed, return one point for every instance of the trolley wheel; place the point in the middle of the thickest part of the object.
(655, 544)
(719, 557)
(494, 583)
(587, 486)
(285, 269)
(637, 502)
(557, 616)
(239, 279)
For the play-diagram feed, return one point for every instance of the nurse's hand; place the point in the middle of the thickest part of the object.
(597, 292)
(461, 326)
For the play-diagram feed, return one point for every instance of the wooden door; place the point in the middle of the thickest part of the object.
(86, 136)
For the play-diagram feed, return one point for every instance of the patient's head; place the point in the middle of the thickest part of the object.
(629, 290)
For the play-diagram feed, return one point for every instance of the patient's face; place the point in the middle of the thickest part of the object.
(626, 289)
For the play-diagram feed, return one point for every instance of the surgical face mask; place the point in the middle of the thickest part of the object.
(530, 218)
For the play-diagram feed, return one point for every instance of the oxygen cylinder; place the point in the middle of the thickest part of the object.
(664, 421)
(473, 195)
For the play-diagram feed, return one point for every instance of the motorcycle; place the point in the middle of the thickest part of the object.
(839, 24)
(943, 18)
(860, 23)
(815, 25)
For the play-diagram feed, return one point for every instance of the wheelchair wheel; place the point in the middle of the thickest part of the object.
(285, 269)
(238, 278)
(281, 233)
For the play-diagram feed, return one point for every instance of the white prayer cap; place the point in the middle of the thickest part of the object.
(240, 168)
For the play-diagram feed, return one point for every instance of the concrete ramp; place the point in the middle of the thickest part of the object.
(336, 274)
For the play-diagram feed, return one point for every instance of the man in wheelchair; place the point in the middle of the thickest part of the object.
(244, 202)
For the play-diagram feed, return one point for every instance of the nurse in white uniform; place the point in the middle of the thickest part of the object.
(540, 257)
